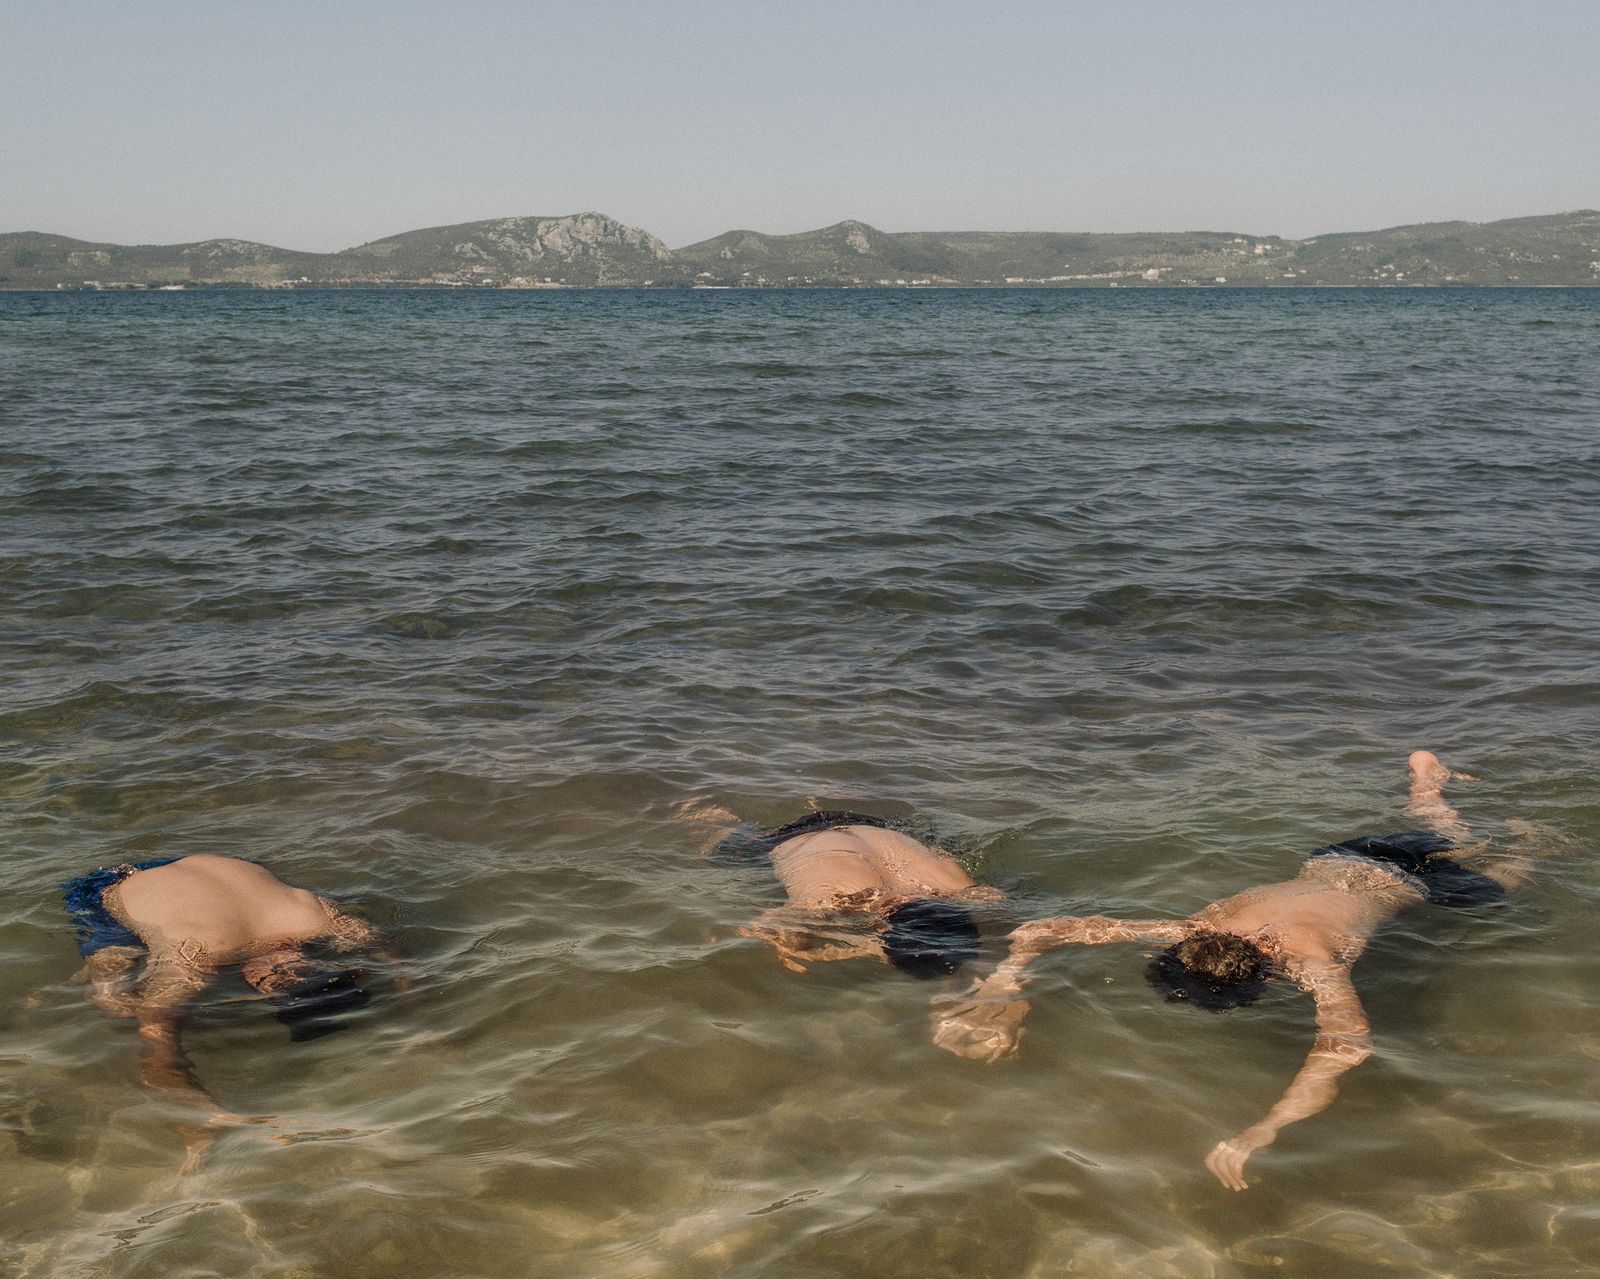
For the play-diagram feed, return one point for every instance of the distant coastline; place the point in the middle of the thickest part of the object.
(591, 250)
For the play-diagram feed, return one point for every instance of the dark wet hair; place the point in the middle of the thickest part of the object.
(930, 938)
(1211, 970)
(311, 997)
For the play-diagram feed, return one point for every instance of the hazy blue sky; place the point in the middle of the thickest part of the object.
(321, 125)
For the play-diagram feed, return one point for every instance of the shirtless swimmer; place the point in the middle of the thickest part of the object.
(1310, 929)
(857, 888)
(188, 919)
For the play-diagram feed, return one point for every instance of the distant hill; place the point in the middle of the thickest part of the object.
(855, 253)
(586, 250)
(33, 261)
(1559, 249)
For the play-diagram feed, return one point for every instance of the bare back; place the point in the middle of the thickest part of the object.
(218, 906)
(849, 865)
(1326, 914)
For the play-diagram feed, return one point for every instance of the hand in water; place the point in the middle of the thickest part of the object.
(983, 1029)
(1227, 1158)
(199, 1138)
(791, 946)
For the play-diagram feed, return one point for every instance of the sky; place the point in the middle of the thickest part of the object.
(323, 125)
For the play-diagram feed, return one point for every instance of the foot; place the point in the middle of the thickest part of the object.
(1428, 803)
(1428, 775)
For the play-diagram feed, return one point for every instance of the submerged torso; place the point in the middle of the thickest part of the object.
(218, 907)
(863, 866)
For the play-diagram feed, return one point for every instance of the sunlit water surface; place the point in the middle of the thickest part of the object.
(440, 604)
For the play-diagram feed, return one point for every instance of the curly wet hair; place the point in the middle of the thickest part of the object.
(1211, 970)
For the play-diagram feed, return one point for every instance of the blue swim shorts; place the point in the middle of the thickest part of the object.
(97, 927)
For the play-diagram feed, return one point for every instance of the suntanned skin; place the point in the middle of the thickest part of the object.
(860, 869)
(195, 917)
(849, 870)
(1314, 927)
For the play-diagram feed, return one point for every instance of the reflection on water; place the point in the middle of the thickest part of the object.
(441, 604)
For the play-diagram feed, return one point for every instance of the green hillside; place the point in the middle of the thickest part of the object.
(1559, 249)
(588, 250)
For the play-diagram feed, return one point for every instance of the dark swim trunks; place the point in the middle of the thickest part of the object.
(1420, 853)
(97, 927)
(749, 845)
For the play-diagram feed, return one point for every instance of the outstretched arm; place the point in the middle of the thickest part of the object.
(794, 933)
(170, 988)
(1344, 1041)
(986, 1023)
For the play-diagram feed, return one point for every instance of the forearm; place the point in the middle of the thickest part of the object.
(1041, 936)
(1344, 1041)
(869, 949)
(800, 934)
(1314, 1088)
(1310, 1092)
(165, 1066)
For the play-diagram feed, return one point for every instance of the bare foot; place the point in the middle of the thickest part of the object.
(1428, 775)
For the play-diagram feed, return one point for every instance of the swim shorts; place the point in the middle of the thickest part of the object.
(748, 844)
(97, 927)
(1420, 853)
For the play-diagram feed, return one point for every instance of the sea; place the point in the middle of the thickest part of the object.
(457, 606)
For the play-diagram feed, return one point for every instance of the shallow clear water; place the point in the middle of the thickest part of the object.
(439, 603)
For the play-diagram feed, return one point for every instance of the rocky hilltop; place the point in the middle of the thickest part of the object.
(586, 250)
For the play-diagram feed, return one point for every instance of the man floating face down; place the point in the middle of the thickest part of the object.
(190, 918)
(857, 889)
(1310, 929)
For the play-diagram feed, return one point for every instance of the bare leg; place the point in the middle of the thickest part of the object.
(1510, 868)
(170, 989)
(720, 821)
(1428, 776)
(1428, 803)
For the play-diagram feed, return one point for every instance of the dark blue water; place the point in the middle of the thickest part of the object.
(440, 602)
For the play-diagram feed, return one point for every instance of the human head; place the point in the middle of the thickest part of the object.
(930, 938)
(309, 992)
(1211, 970)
